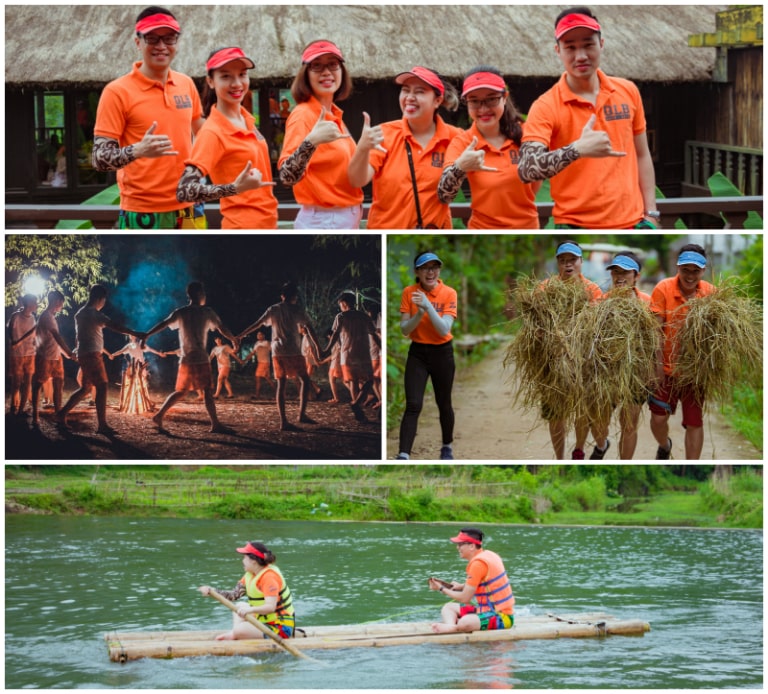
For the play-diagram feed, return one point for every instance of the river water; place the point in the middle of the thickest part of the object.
(68, 580)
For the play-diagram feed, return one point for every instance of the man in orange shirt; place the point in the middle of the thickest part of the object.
(668, 301)
(144, 127)
(569, 261)
(587, 134)
(487, 584)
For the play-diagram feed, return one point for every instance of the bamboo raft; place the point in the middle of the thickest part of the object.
(125, 646)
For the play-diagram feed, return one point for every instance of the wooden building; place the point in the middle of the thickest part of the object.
(53, 84)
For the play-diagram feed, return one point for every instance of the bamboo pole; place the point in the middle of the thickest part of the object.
(283, 643)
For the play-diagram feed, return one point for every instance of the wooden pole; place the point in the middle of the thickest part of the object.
(283, 643)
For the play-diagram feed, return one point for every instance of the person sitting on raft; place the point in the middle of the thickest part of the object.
(486, 583)
(269, 597)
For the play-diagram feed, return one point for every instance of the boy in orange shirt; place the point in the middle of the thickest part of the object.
(144, 126)
(668, 301)
(587, 134)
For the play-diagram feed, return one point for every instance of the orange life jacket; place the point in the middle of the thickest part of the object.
(494, 594)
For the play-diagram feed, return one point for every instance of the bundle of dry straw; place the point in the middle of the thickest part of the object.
(719, 342)
(617, 341)
(547, 369)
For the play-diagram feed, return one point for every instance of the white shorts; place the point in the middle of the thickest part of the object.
(311, 217)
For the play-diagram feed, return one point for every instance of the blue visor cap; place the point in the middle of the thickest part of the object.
(692, 258)
(425, 258)
(568, 248)
(625, 263)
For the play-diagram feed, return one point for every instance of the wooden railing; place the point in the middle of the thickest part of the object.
(735, 210)
(741, 165)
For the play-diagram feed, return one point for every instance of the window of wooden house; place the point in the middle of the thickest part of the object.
(63, 135)
(50, 140)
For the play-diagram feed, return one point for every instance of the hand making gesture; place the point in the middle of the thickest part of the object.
(325, 131)
(595, 143)
(472, 159)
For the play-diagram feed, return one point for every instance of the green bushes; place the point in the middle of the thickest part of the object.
(737, 499)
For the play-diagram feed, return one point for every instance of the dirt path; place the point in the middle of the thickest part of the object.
(487, 428)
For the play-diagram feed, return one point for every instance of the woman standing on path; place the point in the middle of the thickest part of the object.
(318, 147)
(487, 154)
(427, 311)
(269, 597)
(393, 153)
(230, 150)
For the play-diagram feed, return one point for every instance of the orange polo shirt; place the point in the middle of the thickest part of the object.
(393, 205)
(325, 182)
(669, 304)
(126, 110)
(221, 151)
(593, 193)
(443, 298)
(500, 200)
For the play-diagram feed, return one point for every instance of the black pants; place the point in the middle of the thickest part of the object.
(424, 362)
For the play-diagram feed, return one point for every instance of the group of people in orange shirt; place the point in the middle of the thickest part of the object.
(428, 309)
(174, 152)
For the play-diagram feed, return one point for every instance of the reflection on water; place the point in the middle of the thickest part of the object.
(70, 580)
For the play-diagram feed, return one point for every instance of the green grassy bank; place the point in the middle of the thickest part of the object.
(649, 495)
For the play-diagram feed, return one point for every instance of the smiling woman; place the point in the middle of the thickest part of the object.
(318, 147)
(427, 311)
(229, 150)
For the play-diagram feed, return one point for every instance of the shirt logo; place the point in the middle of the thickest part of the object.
(616, 112)
(438, 159)
(183, 101)
(514, 156)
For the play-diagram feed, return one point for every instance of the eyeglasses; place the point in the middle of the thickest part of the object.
(333, 66)
(154, 39)
(490, 102)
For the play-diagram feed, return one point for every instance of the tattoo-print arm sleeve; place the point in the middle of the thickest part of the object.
(235, 594)
(450, 182)
(108, 156)
(192, 187)
(538, 163)
(293, 167)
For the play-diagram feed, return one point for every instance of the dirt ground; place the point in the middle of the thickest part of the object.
(186, 436)
(488, 428)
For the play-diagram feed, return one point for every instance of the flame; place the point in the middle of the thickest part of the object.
(134, 395)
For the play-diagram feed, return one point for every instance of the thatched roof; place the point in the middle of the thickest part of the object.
(91, 44)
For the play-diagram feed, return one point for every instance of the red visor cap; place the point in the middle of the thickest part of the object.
(318, 48)
(575, 21)
(483, 80)
(425, 75)
(157, 21)
(250, 549)
(463, 537)
(227, 55)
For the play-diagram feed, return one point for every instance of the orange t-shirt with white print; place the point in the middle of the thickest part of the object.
(393, 205)
(669, 304)
(127, 108)
(500, 200)
(221, 151)
(325, 182)
(443, 299)
(593, 193)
